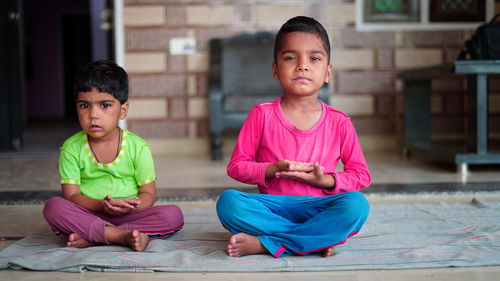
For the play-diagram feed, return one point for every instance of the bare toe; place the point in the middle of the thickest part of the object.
(137, 240)
(76, 241)
(243, 244)
(328, 252)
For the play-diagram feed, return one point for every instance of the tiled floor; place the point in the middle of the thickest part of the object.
(198, 177)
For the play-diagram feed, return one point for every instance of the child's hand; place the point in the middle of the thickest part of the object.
(313, 177)
(117, 207)
(288, 165)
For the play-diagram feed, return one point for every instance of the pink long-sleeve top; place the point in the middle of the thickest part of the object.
(268, 136)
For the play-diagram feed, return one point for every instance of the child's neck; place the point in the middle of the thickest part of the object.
(302, 112)
(105, 150)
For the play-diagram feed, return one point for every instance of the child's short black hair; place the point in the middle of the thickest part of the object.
(104, 75)
(302, 24)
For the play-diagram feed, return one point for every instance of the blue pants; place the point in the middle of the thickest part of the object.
(293, 224)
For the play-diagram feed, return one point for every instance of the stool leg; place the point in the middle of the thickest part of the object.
(217, 147)
(463, 169)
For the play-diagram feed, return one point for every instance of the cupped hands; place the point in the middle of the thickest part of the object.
(117, 207)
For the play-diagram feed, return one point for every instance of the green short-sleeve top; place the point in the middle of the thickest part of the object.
(121, 178)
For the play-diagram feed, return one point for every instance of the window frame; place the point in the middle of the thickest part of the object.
(423, 24)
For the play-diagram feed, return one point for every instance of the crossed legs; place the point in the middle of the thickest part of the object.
(82, 228)
(283, 225)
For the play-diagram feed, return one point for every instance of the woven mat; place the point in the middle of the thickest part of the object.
(396, 236)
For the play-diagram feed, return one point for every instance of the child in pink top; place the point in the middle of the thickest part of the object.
(290, 149)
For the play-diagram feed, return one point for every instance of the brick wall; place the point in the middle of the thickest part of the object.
(168, 92)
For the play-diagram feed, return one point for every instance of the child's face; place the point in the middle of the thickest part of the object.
(99, 112)
(301, 64)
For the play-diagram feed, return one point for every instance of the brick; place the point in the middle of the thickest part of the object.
(202, 127)
(341, 12)
(204, 35)
(177, 63)
(349, 37)
(385, 105)
(399, 127)
(316, 10)
(436, 104)
(158, 129)
(454, 104)
(399, 86)
(209, 15)
(144, 15)
(197, 62)
(443, 125)
(197, 108)
(372, 125)
(145, 109)
(157, 85)
(145, 62)
(178, 108)
(494, 124)
(202, 85)
(176, 15)
(433, 38)
(451, 53)
(354, 105)
(191, 85)
(153, 39)
(494, 84)
(400, 105)
(192, 130)
(277, 13)
(244, 13)
(399, 38)
(410, 58)
(365, 82)
(385, 58)
(343, 59)
(494, 103)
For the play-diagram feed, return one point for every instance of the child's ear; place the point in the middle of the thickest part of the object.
(275, 71)
(328, 73)
(123, 110)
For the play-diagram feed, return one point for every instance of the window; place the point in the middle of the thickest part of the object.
(457, 10)
(422, 14)
(386, 11)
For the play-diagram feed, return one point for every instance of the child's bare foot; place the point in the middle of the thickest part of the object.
(243, 244)
(76, 241)
(137, 240)
(328, 252)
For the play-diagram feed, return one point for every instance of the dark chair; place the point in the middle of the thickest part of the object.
(240, 77)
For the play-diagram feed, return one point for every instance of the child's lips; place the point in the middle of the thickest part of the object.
(302, 79)
(95, 128)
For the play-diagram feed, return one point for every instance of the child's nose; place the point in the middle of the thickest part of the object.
(94, 112)
(303, 65)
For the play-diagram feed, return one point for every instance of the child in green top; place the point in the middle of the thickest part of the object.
(107, 173)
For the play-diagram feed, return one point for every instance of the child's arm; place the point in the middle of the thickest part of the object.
(356, 174)
(116, 207)
(242, 166)
(147, 195)
(71, 192)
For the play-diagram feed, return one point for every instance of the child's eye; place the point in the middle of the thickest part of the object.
(289, 58)
(83, 105)
(106, 105)
(315, 59)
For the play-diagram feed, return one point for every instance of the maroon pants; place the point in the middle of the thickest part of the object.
(65, 217)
